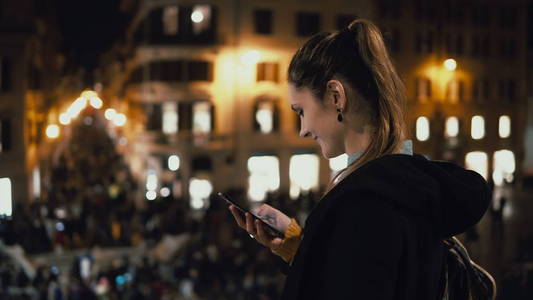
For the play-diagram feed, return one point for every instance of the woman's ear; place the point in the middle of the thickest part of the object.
(336, 94)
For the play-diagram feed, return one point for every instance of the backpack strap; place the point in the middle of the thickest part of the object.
(480, 283)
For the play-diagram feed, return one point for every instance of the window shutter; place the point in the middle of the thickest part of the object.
(5, 132)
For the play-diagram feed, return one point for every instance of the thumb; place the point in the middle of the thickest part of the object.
(275, 243)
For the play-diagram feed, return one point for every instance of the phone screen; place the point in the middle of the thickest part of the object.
(268, 228)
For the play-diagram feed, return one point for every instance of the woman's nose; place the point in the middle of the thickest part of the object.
(304, 133)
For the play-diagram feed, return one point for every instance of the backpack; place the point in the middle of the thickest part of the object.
(463, 279)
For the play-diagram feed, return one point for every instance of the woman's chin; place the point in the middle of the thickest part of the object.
(329, 153)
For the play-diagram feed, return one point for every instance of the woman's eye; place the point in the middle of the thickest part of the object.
(300, 112)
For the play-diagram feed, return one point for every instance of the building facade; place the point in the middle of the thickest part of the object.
(204, 85)
(30, 68)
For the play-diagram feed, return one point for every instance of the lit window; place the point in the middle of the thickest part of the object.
(36, 182)
(505, 126)
(452, 127)
(422, 129)
(151, 180)
(173, 163)
(170, 118)
(264, 176)
(504, 166)
(201, 18)
(199, 191)
(478, 127)
(201, 117)
(303, 173)
(6, 206)
(170, 20)
(338, 163)
(477, 161)
(264, 116)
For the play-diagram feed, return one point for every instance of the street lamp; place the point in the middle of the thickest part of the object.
(197, 16)
(450, 64)
(52, 131)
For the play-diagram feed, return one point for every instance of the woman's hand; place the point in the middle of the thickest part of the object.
(256, 229)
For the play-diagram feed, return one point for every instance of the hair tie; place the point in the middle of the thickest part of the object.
(346, 30)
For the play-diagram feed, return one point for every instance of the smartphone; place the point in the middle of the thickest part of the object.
(268, 228)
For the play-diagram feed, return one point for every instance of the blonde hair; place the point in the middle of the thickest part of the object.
(357, 55)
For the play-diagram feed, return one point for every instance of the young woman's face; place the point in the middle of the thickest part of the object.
(318, 121)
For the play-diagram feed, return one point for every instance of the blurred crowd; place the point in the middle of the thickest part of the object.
(186, 255)
(181, 253)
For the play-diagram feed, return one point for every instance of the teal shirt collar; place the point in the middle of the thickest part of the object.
(407, 148)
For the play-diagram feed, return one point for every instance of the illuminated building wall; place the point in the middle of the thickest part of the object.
(30, 66)
(217, 73)
(485, 81)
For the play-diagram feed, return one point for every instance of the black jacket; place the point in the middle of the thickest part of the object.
(376, 234)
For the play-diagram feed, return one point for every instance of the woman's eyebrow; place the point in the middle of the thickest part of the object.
(293, 107)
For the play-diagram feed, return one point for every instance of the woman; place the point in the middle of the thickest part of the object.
(376, 232)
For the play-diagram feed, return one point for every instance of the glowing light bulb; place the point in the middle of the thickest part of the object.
(52, 131)
(197, 16)
(450, 64)
(119, 119)
(64, 119)
(110, 113)
(96, 102)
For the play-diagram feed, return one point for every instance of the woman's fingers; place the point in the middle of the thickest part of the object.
(264, 238)
(238, 217)
(250, 227)
(254, 227)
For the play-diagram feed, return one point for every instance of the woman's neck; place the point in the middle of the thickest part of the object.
(356, 141)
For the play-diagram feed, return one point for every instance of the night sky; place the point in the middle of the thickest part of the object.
(89, 28)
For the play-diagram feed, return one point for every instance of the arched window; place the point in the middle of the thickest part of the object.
(422, 129)
(477, 161)
(452, 127)
(6, 205)
(504, 166)
(266, 115)
(504, 126)
(170, 117)
(264, 176)
(303, 173)
(478, 127)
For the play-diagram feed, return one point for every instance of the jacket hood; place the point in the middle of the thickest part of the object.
(450, 197)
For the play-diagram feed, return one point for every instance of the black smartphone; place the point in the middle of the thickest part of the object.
(268, 228)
